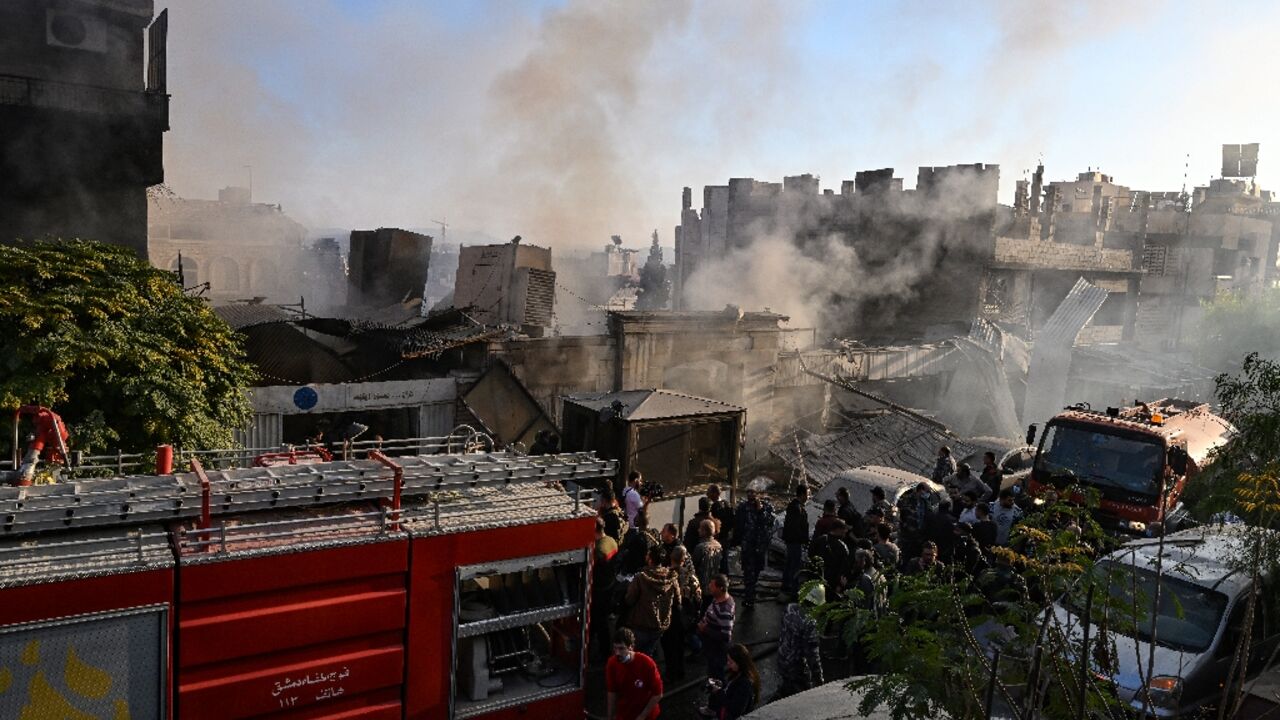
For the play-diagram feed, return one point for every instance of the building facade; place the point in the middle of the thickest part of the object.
(81, 130)
(244, 251)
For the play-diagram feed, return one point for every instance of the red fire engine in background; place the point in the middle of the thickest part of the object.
(398, 584)
(1139, 459)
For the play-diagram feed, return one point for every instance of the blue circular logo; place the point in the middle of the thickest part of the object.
(305, 398)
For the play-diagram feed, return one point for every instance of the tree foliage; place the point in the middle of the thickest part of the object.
(930, 647)
(1251, 401)
(117, 348)
(655, 286)
(1233, 325)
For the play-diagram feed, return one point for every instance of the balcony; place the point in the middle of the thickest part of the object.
(87, 99)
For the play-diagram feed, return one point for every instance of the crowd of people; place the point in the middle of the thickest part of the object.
(669, 589)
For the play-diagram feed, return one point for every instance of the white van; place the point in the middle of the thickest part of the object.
(1200, 622)
(858, 481)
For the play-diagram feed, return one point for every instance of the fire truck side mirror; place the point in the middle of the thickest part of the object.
(1178, 460)
(1031, 434)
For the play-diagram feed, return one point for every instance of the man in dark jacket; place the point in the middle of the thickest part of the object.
(966, 555)
(795, 533)
(753, 526)
(913, 509)
(602, 588)
(984, 530)
(636, 545)
(834, 551)
(723, 513)
(849, 514)
(940, 527)
(991, 475)
(691, 538)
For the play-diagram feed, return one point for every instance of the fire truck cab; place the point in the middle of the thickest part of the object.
(1139, 459)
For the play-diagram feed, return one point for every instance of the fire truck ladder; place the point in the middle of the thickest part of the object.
(201, 496)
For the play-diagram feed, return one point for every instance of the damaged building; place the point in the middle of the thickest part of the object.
(511, 284)
(83, 112)
(388, 266)
(242, 250)
(1160, 255)
(945, 224)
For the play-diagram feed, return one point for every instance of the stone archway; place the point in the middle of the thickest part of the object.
(224, 275)
(190, 269)
(262, 276)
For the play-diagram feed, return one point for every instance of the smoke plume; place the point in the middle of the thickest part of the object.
(553, 123)
(828, 260)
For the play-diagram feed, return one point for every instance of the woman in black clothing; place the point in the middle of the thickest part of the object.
(741, 690)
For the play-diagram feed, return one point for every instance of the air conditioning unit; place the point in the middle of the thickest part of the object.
(77, 31)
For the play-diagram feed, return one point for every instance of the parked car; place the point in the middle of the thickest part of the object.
(1200, 620)
(859, 482)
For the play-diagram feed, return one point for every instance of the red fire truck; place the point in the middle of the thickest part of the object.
(1139, 459)
(416, 586)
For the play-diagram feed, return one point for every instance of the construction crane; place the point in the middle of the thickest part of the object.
(444, 228)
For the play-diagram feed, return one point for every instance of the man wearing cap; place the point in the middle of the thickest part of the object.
(799, 663)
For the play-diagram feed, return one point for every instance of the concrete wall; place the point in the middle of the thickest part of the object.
(715, 355)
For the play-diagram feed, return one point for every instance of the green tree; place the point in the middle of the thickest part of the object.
(1233, 325)
(655, 287)
(1251, 401)
(1245, 479)
(929, 647)
(117, 348)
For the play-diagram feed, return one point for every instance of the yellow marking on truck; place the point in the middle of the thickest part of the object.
(43, 702)
(31, 653)
(83, 678)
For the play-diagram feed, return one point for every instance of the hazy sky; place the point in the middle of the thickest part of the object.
(567, 122)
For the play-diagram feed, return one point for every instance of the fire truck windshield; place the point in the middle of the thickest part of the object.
(1102, 460)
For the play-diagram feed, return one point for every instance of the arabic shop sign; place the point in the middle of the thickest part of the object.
(326, 398)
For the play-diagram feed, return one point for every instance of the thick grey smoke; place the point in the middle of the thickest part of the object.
(827, 261)
(553, 123)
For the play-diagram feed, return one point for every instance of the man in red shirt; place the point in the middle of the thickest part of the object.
(632, 679)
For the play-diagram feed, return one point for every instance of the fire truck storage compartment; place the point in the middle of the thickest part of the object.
(498, 603)
(292, 614)
(85, 621)
(302, 592)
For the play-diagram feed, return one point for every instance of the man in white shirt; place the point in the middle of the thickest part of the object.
(1005, 514)
(632, 502)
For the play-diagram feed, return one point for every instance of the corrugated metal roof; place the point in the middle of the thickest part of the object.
(1072, 314)
(654, 404)
(1051, 353)
(889, 439)
(243, 315)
